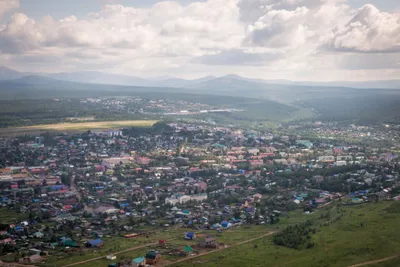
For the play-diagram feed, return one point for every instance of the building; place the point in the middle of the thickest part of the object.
(152, 257)
(95, 243)
(175, 199)
(305, 143)
(31, 259)
(138, 262)
(111, 257)
(190, 236)
(208, 242)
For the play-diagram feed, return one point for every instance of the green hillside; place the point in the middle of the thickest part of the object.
(362, 233)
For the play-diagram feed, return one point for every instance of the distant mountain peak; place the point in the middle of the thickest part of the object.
(33, 79)
(232, 76)
(9, 74)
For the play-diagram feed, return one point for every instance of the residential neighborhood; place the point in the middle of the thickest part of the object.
(73, 194)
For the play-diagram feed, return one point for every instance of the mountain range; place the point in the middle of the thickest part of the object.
(207, 82)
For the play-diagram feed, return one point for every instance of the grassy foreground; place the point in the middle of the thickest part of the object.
(345, 236)
(364, 233)
(81, 126)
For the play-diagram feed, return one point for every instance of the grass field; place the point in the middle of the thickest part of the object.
(68, 127)
(8, 217)
(174, 237)
(395, 262)
(342, 243)
(363, 233)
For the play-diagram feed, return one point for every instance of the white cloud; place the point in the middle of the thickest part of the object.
(280, 29)
(369, 31)
(287, 36)
(7, 5)
(189, 30)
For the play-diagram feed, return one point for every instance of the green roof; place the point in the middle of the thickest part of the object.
(138, 260)
(70, 243)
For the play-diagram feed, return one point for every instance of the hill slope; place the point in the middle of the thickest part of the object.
(353, 234)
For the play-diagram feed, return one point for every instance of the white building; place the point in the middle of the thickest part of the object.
(175, 199)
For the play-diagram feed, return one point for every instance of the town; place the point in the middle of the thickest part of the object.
(171, 192)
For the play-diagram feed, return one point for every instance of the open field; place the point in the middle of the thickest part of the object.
(72, 127)
(392, 261)
(8, 216)
(345, 236)
(126, 249)
(342, 243)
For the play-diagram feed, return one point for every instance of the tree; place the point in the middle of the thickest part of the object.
(132, 221)
(66, 179)
(237, 214)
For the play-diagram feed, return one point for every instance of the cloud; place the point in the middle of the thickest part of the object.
(369, 30)
(279, 36)
(280, 28)
(20, 34)
(291, 24)
(370, 61)
(252, 10)
(187, 29)
(7, 5)
(237, 57)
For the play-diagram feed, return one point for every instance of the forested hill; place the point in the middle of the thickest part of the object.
(331, 103)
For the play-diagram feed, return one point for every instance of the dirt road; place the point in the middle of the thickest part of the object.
(220, 249)
(375, 261)
(115, 253)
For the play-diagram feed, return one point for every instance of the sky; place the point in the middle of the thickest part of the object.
(305, 40)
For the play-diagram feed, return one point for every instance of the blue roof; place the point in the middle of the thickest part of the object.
(95, 242)
(138, 260)
(190, 234)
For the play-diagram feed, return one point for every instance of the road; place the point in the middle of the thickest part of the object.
(115, 253)
(375, 261)
(220, 249)
(74, 190)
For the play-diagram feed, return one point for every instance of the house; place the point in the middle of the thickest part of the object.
(143, 160)
(162, 243)
(190, 236)
(138, 262)
(188, 249)
(7, 241)
(256, 162)
(95, 243)
(208, 242)
(152, 257)
(111, 257)
(131, 235)
(226, 224)
(67, 242)
(31, 259)
(34, 251)
(38, 235)
(379, 196)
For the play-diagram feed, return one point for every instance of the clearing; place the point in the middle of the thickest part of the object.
(68, 127)
(356, 235)
(363, 234)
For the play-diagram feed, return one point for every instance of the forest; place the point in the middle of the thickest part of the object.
(296, 236)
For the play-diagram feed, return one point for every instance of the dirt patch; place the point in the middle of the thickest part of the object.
(74, 127)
